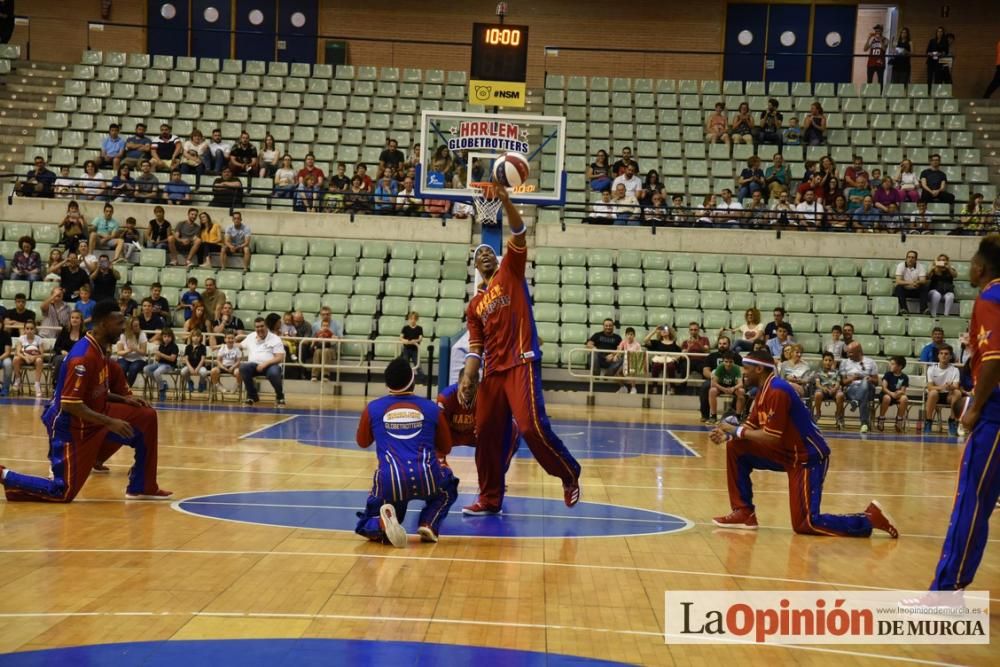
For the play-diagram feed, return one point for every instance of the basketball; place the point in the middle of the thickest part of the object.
(511, 170)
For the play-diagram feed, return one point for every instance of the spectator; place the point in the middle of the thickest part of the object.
(757, 214)
(391, 157)
(901, 57)
(55, 311)
(838, 218)
(887, 195)
(810, 211)
(177, 191)
(21, 315)
(308, 196)
(385, 195)
(698, 344)
(770, 331)
(269, 158)
(859, 376)
(814, 127)
(828, 387)
(188, 298)
(150, 320)
(68, 336)
(85, 305)
(619, 167)
(656, 213)
(26, 263)
(131, 350)
(195, 358)
(407, 202)
(941, 285)
(227, 360)
(726, 381)
(126, 303)
(186, 236)
(795, 371)
(211, 239)
(707, 367)
(942, 385)
(326, 350)
(934, 183)
(285, 180)
(217, 154)
(650, 186)
(877, 46)
(311, 168)
(973, 216)
(194, 157)
(227, 190)
(782, 338)
(827, 169)
(894, 385)
(769, 131)
(358, 200)
(867, 217)
(911, 282)
(335, 326)
(213, 298)
(65, 186)
(856, 194)
(831, 190)
(792, 135)
(39, 182)
(741, 126)
(836, 346)
(777, 176)
(848, 336)
(929, 352)
(112, 148)
(411, 336)
(162, 362)
(727, 208)
(361, 171)
(147, 185)
(92, 186)
(123, 185)
(599, 172)
(55, 263)
(265, 353)
(628, 350)
(716, 125)
(751, 178)
(227, 321)
(631, 182)
(605, 342)
(243, 157)
(6, 359)
(104, 280)
(167, 149)
(663, 362)
(627, 210)
(906, 181)
(854, 173)
(939, 58)
(707, 211)
(105, 231)
(782, 212)
(28, 352)
(602, 212)
(88, 260)
(138, 147)
(892, 221)
(72, 277)
(680, 213)
(236, 242)
(339, 185)
(814, 185)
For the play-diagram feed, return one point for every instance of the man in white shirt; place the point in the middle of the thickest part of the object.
(943, 384)
(783, 211)
(810, 210)
(265, 353)
(632, 183)
(627, 210)
(729, 205)
(602, 212)
(911, 282)
(859, 377)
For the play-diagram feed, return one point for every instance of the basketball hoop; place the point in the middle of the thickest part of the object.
(486, 203)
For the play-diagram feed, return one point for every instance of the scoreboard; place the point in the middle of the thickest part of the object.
(499, 66)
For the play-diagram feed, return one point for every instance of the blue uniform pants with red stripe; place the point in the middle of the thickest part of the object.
(516, 392)
(975, 499)
(443, 494)
(72, 457)
(805, 489)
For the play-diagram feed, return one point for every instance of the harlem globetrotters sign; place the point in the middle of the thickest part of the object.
(488, 135)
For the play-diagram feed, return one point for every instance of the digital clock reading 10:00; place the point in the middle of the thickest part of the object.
(503, 36)
(499, 52)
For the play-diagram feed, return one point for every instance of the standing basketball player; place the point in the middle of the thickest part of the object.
(87, 421)
(979, 476)
(780, 435)
(503, 340)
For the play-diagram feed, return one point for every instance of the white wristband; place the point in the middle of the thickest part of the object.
(740, 431)
(520, 231)
(473, 354)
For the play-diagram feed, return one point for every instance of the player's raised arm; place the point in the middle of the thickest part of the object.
(517, 228)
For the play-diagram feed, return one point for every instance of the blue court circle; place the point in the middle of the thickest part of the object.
(298, 652)
(522, 517)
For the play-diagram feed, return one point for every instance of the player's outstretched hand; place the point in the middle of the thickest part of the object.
(121, 428)
(500, 192)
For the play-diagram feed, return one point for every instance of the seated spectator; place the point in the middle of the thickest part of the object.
(629, 350)
(227, 361)
(126, 304)
(602, 212)
(85, 305)
(211, 240)
(226, 320)
(782, 338)
(730, 210)
(243, 157)
(285, 179)
(742, 125)
(195, 361)
(838, 218)
(147, 185)
(407, 202)
(707, 212)
(123, 185)
(177, 191)
(361, 171)
(911, 282)
(186, 236)
(65, 185)
(55, 263)
(385, 195)
(934, 183)
(892, 221)
(814, 185)
(726, 381)
(92, 185)
(26, 263)
(886, 195)
(138, 147)
(28, 351)
(777, 176)
(783, 211)
(72, 277)
(848, 330)
(697, 344)
(906, 181)
(769, 131)
(599, 172)
(859, 376)
(757, 212)
(663, 360)
(411, 336)
(751, 179)
(707, 367)
(827, 168)
(650, 186)
(308, 195)
(265, 353)
(656, 213)
(831, 190)
(269, 159)
(162, 362)
(867, 218)
(15, 319)
(131, 350)
(748, 332)
(67, 336)
(771, 330)
(792, 135)
(619, 167)
(104, 280)
(339, 185)
(167, 149)
(112, 148)
(39, 182)
(827, 383)
(194, 158)
(359, 201)
(217, 153)
(716, 125)
(55, 311)
(894, 385)
(836, 346)
(390, 158)
(795, 371)
(310, 168)
(631, 182)
(929, 352)
(105, 231)
(810, 211)
(814, 127)
(942, 385)
(88, 260)
(326, 351)
(627, 210)
(680, 213)
(150, 321)
(605, 342)
(227, 190)
(856, 195)
(854, 172)
(973, 217)
(941, 285)
(236, 242)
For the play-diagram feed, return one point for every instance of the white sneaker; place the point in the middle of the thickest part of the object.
(864, 428)
(393, 530)
(633, 390)
(623, 390)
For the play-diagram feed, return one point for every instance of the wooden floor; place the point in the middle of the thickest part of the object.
(103, 571)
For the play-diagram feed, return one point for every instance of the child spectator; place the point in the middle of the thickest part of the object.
(792, 135)
(65, 186)
(189, 297)
(836, 346)
(726, 380)
(894, 385)
(85, 305)
(326, 353)
(827, 380)
(164, 361)
(631, 366)
(411, 336)
(194, 362)
(227, 360)
(28, 352)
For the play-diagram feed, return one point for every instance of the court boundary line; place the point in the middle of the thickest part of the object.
(264, 428)
(686, 445)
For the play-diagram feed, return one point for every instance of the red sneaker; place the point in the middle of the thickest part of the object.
(571, 494)
(880, 519)
(427, 534)
(390, 525)
(159, 494)
(936, 600)
(101, 468)
(742, 518)
(479, 508)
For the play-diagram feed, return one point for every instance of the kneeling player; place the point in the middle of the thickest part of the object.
(410, 435)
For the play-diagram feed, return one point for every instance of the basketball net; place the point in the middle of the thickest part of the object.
(486, 203)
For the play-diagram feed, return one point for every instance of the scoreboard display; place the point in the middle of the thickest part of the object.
(499, 64)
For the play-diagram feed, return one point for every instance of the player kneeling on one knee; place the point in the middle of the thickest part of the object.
(412, 438)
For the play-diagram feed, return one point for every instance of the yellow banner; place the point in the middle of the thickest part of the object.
(496, 93)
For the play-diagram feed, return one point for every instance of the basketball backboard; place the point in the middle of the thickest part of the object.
(458, 148)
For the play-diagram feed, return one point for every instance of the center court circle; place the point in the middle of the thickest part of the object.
(522, 517)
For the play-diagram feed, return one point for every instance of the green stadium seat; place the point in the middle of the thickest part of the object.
(853, 304)
(789, 266)
(737, 282)
(713, 300)
(546, 312)
(280, 302)
(897, 346)
(739, 302)
(767, 301)
(793, 284)
(764, 282)
(634, 316)
(811, 343)
(816, 266)
(885, 305)
(574, 313)
(797, 303)
(547, 275)
(260, 263)
(658, 298)
(875, 287)
(574, 294)
(682, 263)
(684, 280)
(711, 281)
(153, 257)
(734, 264)
(284, 282)
(656, 279)
(876, 268)
(820, 285)
(953, 327)
(761, 266)
(603, 295)
(630, 277)
(600, 276)
(864, 324)
(823, 303)
(629, 259)
(654, 261)
(340, 285)
(288, 264)
(251, 300)
(225, 280)
(826, 321)
(843, 267)
(872, 345)
(848, 286)
(312, 284)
